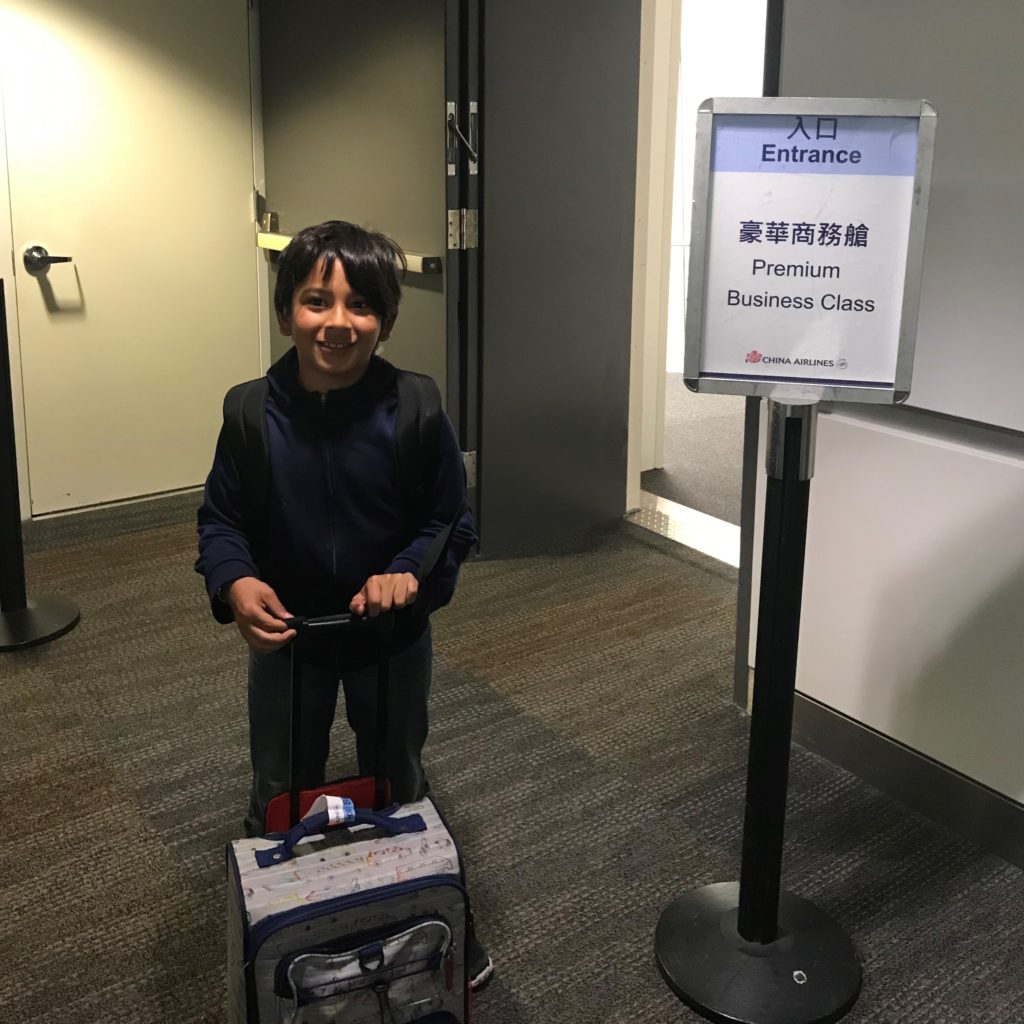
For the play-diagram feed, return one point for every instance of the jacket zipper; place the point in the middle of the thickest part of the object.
(329, 472)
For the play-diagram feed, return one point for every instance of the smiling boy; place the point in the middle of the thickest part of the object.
(339, 531)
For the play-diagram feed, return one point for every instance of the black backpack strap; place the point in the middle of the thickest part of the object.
(417, 438)
(245, 434)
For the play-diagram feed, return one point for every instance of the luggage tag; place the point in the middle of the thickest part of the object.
(339, 809)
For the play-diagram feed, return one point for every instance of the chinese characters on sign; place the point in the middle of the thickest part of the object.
(778, 231)
(826, 129)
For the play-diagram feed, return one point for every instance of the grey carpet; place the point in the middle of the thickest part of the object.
(583, 743)
(703, 452)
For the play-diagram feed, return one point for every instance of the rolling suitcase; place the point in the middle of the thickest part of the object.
(353, 915)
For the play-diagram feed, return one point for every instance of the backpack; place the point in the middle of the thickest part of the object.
(417, 434)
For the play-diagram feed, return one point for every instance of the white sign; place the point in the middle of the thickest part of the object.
(802, 277)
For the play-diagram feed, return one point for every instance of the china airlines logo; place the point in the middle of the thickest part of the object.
(757, 357)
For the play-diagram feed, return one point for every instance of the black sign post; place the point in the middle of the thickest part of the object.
(23, 623)
(749, 952)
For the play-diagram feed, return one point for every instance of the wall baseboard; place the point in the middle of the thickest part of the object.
(962, 805)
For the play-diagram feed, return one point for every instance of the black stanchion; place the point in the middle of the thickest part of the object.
(749, 952)
(23, 623)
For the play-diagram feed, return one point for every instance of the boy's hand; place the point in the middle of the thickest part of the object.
(382, 593)
(259, 614)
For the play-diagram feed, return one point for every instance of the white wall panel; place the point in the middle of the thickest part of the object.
(913, 611)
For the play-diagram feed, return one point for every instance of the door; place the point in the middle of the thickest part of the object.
(559, 135)
(128, 134)
(355, 129)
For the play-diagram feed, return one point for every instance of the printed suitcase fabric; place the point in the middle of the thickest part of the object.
(355, 927)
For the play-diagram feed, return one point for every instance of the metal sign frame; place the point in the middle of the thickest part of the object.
(702, 196)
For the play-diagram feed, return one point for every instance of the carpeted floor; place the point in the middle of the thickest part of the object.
(703, 452)
(583, 742)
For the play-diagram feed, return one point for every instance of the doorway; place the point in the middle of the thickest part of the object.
(692, 461)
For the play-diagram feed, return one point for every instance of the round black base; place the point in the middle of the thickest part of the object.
(809, 975)
(45, 619)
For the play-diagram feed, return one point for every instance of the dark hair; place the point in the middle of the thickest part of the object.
(371, 261)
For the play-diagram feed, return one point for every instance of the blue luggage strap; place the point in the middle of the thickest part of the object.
(321, 822)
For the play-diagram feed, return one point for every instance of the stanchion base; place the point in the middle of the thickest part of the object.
(809, 975)
(43, 620)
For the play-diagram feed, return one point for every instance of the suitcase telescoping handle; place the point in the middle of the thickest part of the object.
(383, 624)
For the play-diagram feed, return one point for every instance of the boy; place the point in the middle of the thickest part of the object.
(338, 532)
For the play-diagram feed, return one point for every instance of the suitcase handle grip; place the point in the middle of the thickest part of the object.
(316, 823)
(304, 624)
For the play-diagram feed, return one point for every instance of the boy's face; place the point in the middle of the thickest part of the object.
(335, 332)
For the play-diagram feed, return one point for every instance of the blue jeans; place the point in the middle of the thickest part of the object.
(269, 715)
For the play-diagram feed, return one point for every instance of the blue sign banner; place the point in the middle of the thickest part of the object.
(811, 144)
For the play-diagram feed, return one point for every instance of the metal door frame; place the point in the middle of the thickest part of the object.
(259, 180)
(13, 330)
(462, 265)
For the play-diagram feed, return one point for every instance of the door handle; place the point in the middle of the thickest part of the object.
(37, 259)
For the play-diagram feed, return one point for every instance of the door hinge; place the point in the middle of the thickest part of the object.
(463, 229)
(471, 229)
(469, 462)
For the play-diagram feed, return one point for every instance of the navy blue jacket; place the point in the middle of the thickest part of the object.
(337, 513)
